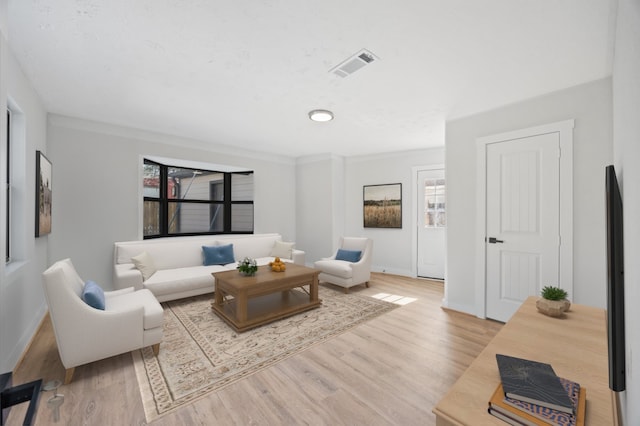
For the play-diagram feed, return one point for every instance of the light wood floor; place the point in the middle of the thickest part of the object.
(391, 370)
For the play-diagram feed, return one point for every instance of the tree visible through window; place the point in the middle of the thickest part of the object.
(188, 201)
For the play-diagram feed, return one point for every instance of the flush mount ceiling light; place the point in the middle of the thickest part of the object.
(320, 115)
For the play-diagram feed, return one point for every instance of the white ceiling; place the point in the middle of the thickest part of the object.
(246, 72)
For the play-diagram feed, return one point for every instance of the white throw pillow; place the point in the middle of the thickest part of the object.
(282, 249)
(145, 264)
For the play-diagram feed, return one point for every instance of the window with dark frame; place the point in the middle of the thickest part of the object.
(435, 214)
(187, 201)
(8, 212)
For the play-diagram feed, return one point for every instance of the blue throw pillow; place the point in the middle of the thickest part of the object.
(218, 255)
(93, 295)
(348, 255)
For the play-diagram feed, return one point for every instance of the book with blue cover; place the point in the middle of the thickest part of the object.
(533, 382)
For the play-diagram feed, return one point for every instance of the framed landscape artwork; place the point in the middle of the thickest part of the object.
(43, 195)
(383, 206)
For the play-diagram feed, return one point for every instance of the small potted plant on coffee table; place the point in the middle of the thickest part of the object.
(247, 267)
(553, 302)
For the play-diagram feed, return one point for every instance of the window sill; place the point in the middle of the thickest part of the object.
(14, 266)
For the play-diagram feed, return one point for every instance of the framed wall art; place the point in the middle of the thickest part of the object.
(382, 206)
(43, 195)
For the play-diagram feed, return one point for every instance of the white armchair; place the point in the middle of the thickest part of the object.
(346, 273)
(131, 319)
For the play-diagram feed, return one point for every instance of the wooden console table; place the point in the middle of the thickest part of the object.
(575, 346)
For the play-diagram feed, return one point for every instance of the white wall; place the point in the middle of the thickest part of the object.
(4, 24)
(97, 194)
(591, 107)
(330, 190)
(392, 248)
(22, 303)
(319, 213)
(626, 129)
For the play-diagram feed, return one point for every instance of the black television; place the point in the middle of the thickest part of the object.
(615, 282)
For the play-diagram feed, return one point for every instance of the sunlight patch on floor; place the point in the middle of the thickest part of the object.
(398, 300)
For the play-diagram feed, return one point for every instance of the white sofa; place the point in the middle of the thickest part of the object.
(179, 262)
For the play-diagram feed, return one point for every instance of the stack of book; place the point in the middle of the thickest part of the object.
(530, 393)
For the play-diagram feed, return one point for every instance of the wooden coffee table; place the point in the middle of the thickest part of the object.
(247, 302)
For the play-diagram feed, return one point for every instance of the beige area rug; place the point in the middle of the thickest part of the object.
(200, 353)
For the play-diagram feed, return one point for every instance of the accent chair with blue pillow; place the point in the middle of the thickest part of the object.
(91, 324)
(350, 265)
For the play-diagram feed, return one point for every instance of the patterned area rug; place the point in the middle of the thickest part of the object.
(200, 353)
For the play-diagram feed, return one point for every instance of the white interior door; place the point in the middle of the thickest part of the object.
(522, 221)
(432, 221)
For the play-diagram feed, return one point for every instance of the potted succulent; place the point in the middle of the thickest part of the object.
(554, 301)
(247, 266)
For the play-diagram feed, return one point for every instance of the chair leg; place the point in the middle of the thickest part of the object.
(366, 284)
(346, 290)
(68, 375)
(156, 349)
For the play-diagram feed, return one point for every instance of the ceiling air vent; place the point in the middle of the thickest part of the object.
(354, 63)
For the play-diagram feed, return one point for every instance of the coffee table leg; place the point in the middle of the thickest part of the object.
(241, 308)
(313, 289)
(218, 297)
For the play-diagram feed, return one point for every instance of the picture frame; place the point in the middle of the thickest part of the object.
(43, 195)
(382, 205)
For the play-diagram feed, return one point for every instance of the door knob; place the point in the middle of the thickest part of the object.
(493, 240)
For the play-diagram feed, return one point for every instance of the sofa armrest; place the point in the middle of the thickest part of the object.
(298, 256)
(362, 268)
(127, 275)
(333, 257)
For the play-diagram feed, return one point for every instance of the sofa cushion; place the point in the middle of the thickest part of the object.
(153, 313)
(282, 249)
(218, 255)
(251, 246)
(338, 268)
(145, 264)
(169, 281)
(348, 255)
(354, 243)
(93, 295)
(167, 253)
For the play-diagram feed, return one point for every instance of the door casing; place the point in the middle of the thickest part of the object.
(565, 131)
